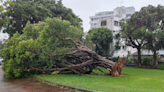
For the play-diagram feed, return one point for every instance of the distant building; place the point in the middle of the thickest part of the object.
(148, 53)
(111, 20)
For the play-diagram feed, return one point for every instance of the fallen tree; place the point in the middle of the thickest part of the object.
(89, 60)
(52, 47)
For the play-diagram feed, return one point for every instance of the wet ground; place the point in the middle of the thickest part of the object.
(25, 85)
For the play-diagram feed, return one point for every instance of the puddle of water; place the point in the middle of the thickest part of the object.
(26, 85)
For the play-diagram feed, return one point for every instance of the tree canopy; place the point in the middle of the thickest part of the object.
(145, 28)
(153, 22)
(34, 47)
(102, 38)
(134, 36)
(14, 14)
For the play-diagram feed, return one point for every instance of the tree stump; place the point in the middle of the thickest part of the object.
(117, 68)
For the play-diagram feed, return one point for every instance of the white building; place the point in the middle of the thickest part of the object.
(111, 20)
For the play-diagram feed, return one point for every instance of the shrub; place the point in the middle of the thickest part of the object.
(146, 61)
(161, 66)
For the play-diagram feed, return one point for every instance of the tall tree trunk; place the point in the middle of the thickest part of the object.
(155, 59)
(139, 56)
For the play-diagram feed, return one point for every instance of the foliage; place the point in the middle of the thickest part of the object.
(2, 44)
(117, 37)
(147, 60)
(155, 24)
(114, 59)
(102, 38)
(151, 18)
(14, 14)
(137, 80)
(161, 66)
(145, 28)
(88, 41)
(134, 36)
(32, 49)
(131, 60)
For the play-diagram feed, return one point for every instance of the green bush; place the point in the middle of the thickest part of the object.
(146, 61)
(161, 66)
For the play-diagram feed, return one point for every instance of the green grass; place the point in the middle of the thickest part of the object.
(137, 80)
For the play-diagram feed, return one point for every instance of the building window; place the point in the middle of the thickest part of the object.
(103, 23)
(91, 19)
(116, 23)
(128, 15)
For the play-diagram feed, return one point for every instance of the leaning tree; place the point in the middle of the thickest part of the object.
(52, 46)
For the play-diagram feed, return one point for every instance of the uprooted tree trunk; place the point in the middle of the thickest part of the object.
(117, 68)
(84, 60)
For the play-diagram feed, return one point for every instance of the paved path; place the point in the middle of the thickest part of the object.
(25, 85)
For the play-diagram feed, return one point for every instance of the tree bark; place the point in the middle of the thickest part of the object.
(117, 68)
(155, 64)
(139, 56)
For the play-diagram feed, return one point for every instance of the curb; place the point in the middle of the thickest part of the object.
(61, 85)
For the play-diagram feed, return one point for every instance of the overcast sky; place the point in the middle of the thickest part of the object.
(86, 8)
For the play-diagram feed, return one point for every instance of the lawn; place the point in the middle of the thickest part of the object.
(137, 80)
